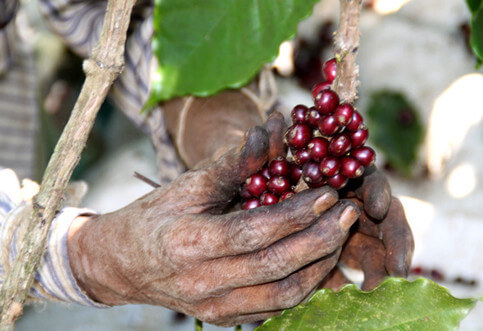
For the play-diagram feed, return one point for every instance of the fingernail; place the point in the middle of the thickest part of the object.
(323, 202)
(348, 217)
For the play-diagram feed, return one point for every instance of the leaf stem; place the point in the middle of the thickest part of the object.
(198, 325)
(238, 327)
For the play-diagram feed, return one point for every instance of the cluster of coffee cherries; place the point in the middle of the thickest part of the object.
(326, 143)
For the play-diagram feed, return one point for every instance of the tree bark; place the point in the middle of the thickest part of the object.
(101, 69)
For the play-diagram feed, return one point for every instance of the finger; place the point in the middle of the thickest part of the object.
(367, 254)
(252, 230)
(375, 191)
(335, 280)
(365, 224)
(398, 240)
(269, 297)
(276, 128)
(289, 254)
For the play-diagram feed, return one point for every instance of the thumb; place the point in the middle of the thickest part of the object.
(213, 186)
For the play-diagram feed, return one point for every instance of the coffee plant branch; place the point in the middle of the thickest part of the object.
(101, 69)
(345, 48)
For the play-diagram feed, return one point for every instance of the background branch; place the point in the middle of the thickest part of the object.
(101, 69)
(345, 48)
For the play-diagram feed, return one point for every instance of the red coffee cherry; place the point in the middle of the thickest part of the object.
(250, 204)
(365, 155)
(343, 114)
(329, 166)
(298, 136)
(256, 184)
(265, 172)
(355, 122)
(301, 157)
(326, 101)
(311, 173)
(280, 167)
(340, 144)
(319, 87)
(244, 192)
(298, 114)
(338, 181)
(351, 167)
(313, 117)
(318, 148)
(330, 70)
(359, 137)
(268, 199)
(328, 126)
(278, 185)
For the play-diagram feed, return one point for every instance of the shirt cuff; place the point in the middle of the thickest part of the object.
(54, 274)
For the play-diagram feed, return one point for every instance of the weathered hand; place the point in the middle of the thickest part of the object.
(177, 247)
(381, 242)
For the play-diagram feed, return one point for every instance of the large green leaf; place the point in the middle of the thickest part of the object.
(395, 128)
(209, 45)
(473, 5)
(396, 304)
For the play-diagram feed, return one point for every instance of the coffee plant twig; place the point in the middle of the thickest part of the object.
(345, 48)
(101, 69)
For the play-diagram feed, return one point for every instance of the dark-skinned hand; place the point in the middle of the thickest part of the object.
(177, 247)
(381, 243)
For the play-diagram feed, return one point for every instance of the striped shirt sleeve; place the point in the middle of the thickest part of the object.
(54, 279)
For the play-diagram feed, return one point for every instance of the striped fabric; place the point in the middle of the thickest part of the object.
(18, 104)
(54, 278)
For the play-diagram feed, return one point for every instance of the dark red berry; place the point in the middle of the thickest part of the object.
(330, 70)
(268, 199)
(298, 136)
(301, 157)
(313, 117)
(343, 114)
(256, 184)
(340, 144)
(278, 185)
(350, 167)
(265, 172)
(250, 204)
(286, 195)
(326, 101)
(318, 148)
(365, 155)
(356, 121)
(244, 192)
(330, 166)
(298, 114)
(338, 181)
(296, 174)
(311, 173)
(359, 137)
(328, 125)
(319, 87)
(280, 167)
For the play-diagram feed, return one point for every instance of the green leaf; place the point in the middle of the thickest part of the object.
(206, 46)
(395, 128)
(476, 37)
(473, 5)
(397, 304)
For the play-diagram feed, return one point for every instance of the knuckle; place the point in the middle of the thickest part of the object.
(276, 262)
(290, 292)
(245, 234)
